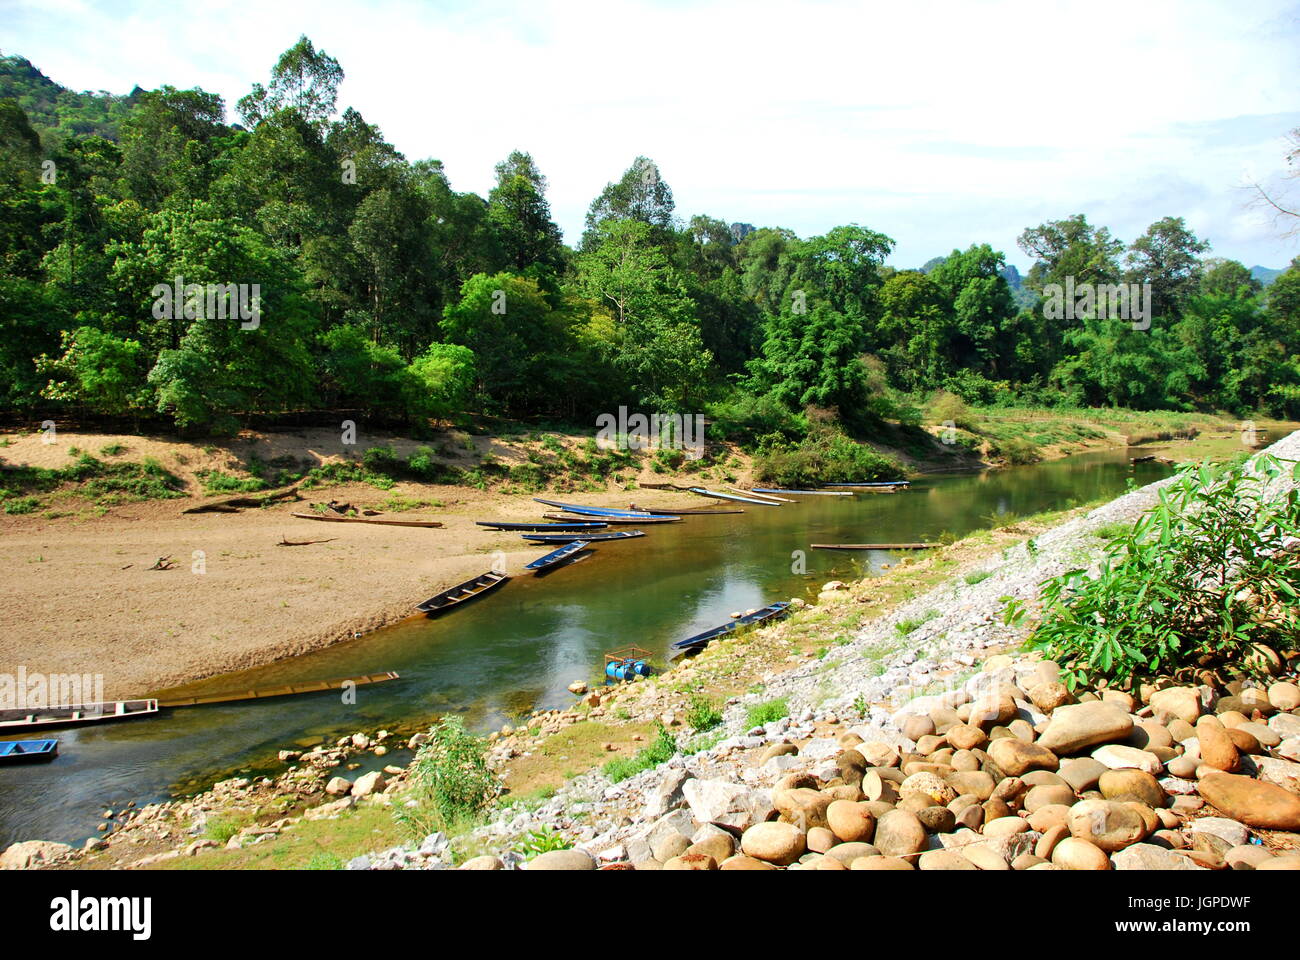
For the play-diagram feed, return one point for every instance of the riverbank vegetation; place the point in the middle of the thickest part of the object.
(1197, 584)
(384, 293)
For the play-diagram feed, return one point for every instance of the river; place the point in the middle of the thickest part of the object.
(520, 647)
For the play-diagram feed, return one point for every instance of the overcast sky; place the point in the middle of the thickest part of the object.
(940, 124)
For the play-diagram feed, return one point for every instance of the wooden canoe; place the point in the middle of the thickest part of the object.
(876, 546)
(76, 716)
(28, 751)
(761, 495)
(387, 523)
(689, 511)
(591, 511)
(284, 690)
(564, 553)
(672, 518)
(588, 537)
(873, 483)
(718, 495)
(701, 640)
(458, 594)
(579, 525)
(805, 493)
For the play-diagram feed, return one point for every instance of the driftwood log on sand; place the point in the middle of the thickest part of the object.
(235, 504)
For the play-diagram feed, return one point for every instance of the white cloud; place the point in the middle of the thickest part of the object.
(940, 124)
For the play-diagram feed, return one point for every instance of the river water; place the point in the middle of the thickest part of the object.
(519, 648)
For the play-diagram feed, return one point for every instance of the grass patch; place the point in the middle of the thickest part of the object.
(767, 711)
(979, 576)
(904, 627)
(660, 750)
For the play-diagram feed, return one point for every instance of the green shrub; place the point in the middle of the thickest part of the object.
(827, 455)
(544, 840)
(1195, 583)
(945, 407)
(451, 783)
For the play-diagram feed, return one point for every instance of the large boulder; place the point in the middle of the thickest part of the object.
(32, 853)
(563, 860)
(774, 842)
(899, 833)
(1252, 802)
(1107, 824)
(1077, 726)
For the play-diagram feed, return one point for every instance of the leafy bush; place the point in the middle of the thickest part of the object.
(544, 840)
(451, 783)
(947, 407)
(825, 456)
(1197, 582)
(1015, 450)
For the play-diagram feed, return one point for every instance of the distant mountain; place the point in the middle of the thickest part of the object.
(1265, 275)
(930, 264)
(55, 111)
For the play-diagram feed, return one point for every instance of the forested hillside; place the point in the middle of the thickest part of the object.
(381, 288)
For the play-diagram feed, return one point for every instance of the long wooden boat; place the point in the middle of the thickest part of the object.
(873, 483)
(591, 511)
(673, 518)
(763, 496)
(805, 493)
(284, 690)
(589, 537)
(557, 556)
(690, 512)
(36, 719)
(875, 546)
(701, 640)
(28, 751)
(577, 524)
(461, 592)
(387, 523)
(717, 494)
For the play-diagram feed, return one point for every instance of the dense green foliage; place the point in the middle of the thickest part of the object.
(451, 782)
(381, 289)
(1196, 583)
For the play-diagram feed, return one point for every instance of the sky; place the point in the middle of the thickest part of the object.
(940, 124)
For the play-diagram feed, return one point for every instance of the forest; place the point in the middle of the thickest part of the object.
(383, 290)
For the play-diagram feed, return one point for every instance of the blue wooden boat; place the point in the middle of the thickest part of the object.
(733, 496)
(557, 556)
(657, 518)
(569, 527)
(588, 537)
(591, 511)
(462, 592)
(701, 640)
(28, 751)
(806, 493)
